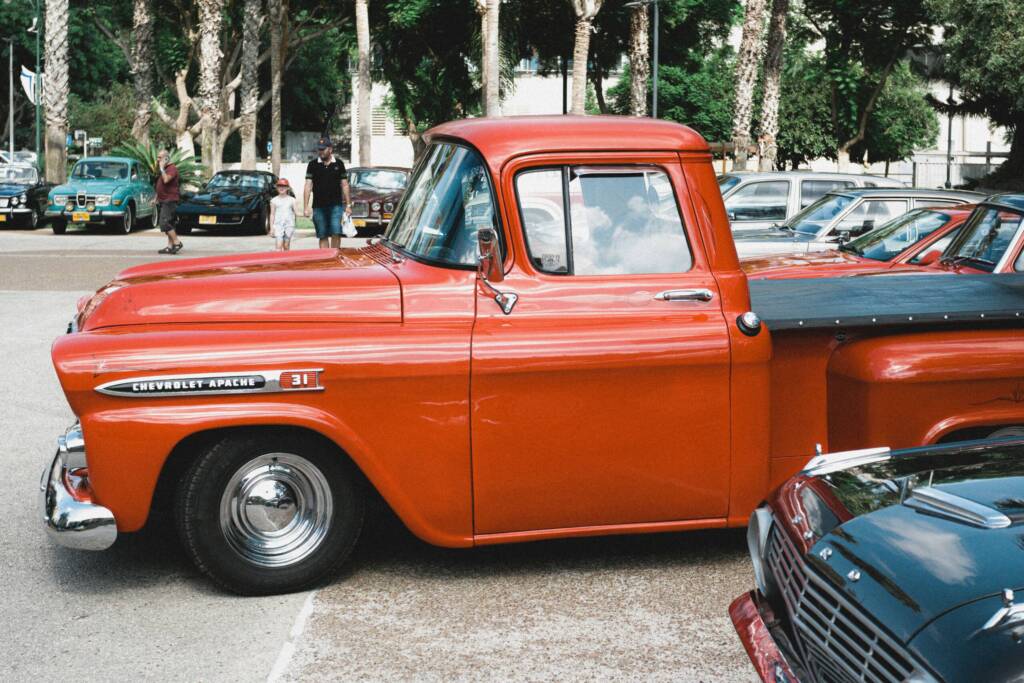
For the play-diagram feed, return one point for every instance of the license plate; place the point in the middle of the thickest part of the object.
(387, 216)
(359, 222)
(207, 220)
(80, 216)
(3, 217)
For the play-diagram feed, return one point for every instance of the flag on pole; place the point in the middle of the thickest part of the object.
(28, 82)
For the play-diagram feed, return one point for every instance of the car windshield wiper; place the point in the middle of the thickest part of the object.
(396, 253)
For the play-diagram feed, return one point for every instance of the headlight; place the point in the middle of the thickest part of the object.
(757, 541)
(389, 206)
(90, 206)
(375, 206)
(60, 199)
(23, 199)
(69, 207)
(102, 199)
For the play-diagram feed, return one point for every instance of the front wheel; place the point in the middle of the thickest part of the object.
(128, 220)
(269, 514)
(32, 220)
(59, 225)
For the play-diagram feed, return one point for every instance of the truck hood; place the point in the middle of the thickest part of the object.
(807, 264)
(322, 285)
(916, 563)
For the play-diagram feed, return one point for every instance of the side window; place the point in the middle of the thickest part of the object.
(621, 221)
(813, 190)
(939, 245)
(760, 201)
(869, 215)
(935, 202)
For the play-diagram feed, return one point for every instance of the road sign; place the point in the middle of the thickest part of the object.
(270, 146)
(80, 134)
(95, 142)
(71, 140)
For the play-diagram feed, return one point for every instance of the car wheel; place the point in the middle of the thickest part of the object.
(263, 515)
(128, 220)
(33, 218)
(59, 226)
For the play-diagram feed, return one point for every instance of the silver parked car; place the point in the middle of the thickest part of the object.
(840, 216)
(757, 201)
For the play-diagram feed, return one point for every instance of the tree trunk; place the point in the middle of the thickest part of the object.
(492, 60)
(768, 143)
(364, 84)
(586, 10)
(639, 60)
(751, 48)
(275, 8)
(250, 86)
(597, 80)
(416, 138)
(142, 68)
(843, 161)
(55, 90)
(210, 62)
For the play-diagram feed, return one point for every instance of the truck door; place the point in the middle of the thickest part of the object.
(602, 397)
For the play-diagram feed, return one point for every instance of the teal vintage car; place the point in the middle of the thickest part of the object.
(114, 191)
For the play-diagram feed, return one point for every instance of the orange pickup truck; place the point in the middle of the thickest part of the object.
(554, 338)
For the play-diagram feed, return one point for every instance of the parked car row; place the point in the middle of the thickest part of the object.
(117, 192)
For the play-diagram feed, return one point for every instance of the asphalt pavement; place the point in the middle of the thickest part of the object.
(621, 608)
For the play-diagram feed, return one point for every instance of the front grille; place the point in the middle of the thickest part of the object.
(836, 641)
(360, 209)
(81, 199)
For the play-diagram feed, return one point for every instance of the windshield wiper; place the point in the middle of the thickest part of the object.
(396, 255)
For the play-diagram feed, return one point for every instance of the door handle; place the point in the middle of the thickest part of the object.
(685, 295)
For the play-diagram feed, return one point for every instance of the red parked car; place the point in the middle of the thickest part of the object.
(916, 238)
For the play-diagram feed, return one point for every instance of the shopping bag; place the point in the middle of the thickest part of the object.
(348, 228)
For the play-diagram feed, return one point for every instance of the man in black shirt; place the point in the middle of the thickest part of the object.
(327, 179)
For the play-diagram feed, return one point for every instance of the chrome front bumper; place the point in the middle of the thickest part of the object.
(70, 516)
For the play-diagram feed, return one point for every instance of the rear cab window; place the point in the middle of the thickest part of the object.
(602, 220)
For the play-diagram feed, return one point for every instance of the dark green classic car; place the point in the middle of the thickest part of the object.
(112, 191)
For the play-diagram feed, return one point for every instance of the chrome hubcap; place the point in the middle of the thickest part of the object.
(276, 510)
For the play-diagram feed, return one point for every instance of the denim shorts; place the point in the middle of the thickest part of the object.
(327, 220)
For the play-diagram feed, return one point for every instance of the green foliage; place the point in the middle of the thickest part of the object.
(805, 128)
(984, 58)
(903, 120)
(190, 172)
(110, 116)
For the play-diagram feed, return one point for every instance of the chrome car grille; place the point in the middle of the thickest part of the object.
(836, 641)
(360, 209)
(81, 199)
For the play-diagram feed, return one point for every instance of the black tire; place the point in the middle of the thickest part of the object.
(217, 542)
(128, 220)
(59, 226)
(32, 220)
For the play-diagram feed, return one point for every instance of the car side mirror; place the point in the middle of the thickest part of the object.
(844, 236)
(930, 258)
(490, 267)
(866, 227)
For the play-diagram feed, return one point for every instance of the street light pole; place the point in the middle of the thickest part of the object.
(10, 95)
(37, 85)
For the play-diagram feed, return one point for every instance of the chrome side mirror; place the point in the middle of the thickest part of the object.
(490, 270)
(491, 267)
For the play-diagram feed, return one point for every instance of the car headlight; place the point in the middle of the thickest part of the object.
(757, 541)
(375, 206)
(23, 199)
(60, 199)
(102, 199)
(389, 206)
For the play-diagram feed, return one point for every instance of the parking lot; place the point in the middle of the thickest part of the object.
(623, 608)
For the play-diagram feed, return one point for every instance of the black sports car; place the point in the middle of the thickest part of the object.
(231, 200)
(891, 566)
(22, 195)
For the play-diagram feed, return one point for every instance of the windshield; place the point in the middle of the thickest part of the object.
(892, 238)
(110, 170)
(727, 182)
(243, 180)
(986, 239)
(448, 201)
(377, 179)
(19, 175)
(811, 220)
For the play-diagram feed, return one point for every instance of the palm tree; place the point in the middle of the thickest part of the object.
(586, 11)
(490, 61)
(364, 83)
(250, 85)
(767, 143)
(210, 63)
(751, 48)
(639, 60)
(275, 10)
(55, 90)
(142, 67)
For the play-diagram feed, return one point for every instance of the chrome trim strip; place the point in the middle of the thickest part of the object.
(951, 506)
(843, 460)
(253, 382)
